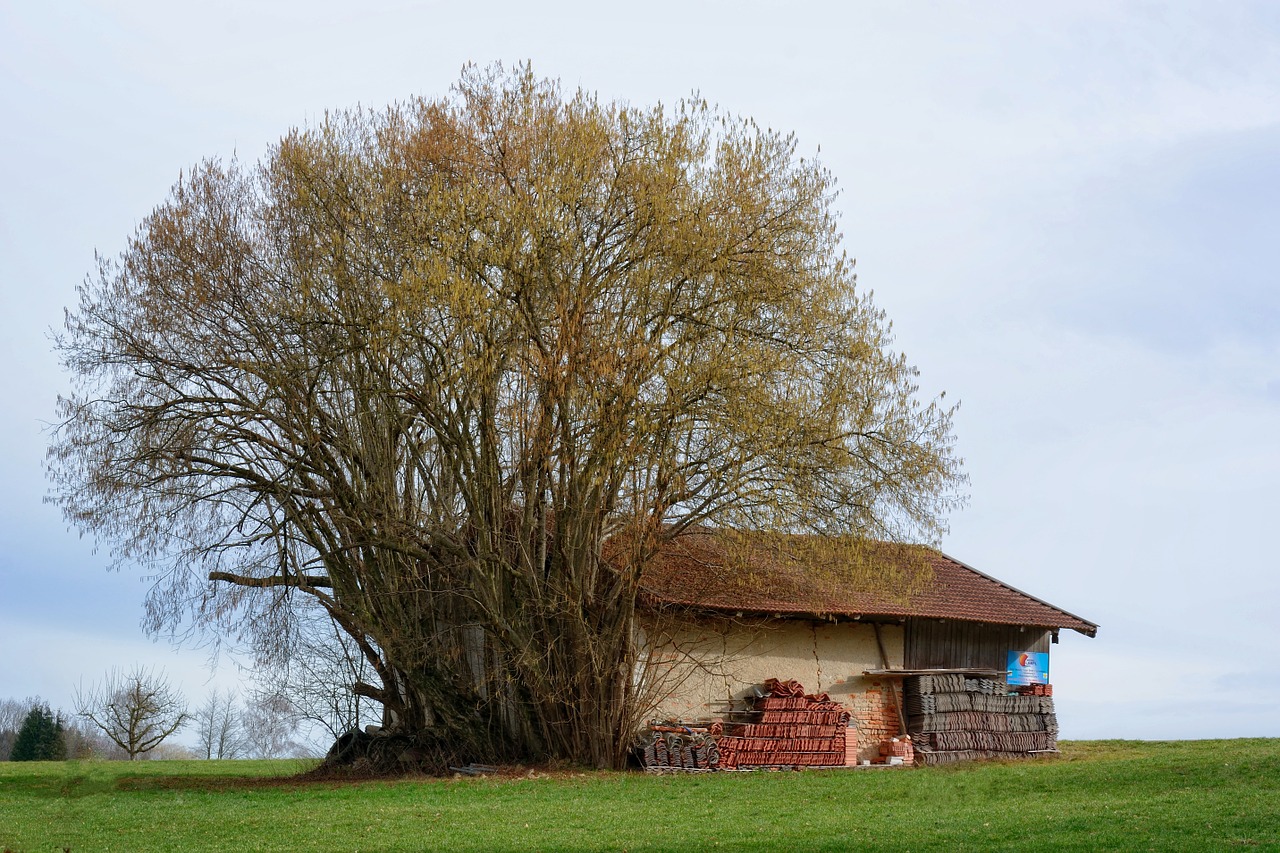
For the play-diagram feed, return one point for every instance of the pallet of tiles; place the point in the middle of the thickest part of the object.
(952, 718)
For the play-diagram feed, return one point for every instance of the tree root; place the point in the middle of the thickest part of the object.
(357, 755)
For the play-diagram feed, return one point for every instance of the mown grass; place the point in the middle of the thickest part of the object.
(1101, 795)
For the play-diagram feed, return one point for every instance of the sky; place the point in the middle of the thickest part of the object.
(1069, 211)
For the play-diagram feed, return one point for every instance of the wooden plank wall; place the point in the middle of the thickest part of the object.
(952, 644)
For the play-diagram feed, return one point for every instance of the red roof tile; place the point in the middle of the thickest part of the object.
(760, 573)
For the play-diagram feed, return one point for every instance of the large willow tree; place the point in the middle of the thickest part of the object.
(419, 366)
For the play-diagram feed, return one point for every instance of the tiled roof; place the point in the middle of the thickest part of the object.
(803, 575)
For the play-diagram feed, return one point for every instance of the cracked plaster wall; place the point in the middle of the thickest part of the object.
(710, 666)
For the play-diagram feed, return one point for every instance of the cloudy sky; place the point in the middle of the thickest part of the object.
(1071, 212)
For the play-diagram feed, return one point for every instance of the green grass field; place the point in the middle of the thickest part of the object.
(1102, 795)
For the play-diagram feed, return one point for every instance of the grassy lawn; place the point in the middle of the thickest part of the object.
(1108, 795)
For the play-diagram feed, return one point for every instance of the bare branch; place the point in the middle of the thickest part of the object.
(305, 581)
(137, 709)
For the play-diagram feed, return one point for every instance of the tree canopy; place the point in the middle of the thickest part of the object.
(417, 366)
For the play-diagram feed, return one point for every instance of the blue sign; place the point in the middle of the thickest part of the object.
(1028, 668)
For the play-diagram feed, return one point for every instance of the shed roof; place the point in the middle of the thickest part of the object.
(797, 575)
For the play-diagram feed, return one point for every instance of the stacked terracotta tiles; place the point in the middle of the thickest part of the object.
(952, 718)
(677, 747)
(897, 748)
(791, 729)
(1033, 689)
(850, 746)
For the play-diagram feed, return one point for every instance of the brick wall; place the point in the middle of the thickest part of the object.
(875, 717)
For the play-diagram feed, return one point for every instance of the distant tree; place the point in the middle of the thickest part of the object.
(270, 724)
(40, 738)
(85, 740)
(12, 713)
(170, 751)
(82, 740)
(137, 710)
(219, 730)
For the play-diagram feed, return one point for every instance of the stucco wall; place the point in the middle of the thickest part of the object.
(702, 670)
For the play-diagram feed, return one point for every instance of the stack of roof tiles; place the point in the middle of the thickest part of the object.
(675, 747)
(952, 718)
(790, 729)
(898, 748)
(1033, 689)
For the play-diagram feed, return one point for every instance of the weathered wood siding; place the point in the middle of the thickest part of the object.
(952, 644)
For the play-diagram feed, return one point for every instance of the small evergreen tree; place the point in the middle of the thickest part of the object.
(40, 738)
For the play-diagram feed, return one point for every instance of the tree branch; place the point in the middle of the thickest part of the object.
(303, 581)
